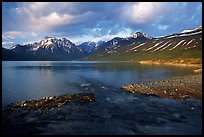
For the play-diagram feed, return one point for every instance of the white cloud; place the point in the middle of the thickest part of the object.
(42, 16)
(163, 27)
(12, 35)
(125, 32)
(5, 43)
(142, 12)
(75, 20)
(44, 23)
(8, 44)
(38, 5)
(17, 34)
(45, 8)
(29, 42)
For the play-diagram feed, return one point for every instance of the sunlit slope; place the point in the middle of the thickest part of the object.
(172, 47)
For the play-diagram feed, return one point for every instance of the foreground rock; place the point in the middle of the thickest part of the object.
(52, 101)
(176, 88)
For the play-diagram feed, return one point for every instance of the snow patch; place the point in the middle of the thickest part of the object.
(153, 46)
(166, 46)
(161, 46)
(183, 44)
(111, 51)
(177, 45)
(136, 47)
(185, 31)
(48, 43)
(13, 47)
(190, 42)
(132, 44)
(182, 35)
(35, 48)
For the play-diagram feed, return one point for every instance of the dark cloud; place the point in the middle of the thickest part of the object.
(98, 19)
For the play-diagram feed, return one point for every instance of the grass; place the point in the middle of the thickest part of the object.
(179, 55)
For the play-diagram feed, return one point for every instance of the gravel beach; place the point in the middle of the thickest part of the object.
(184, 87)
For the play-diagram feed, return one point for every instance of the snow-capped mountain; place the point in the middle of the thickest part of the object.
(55, 45)
(90, 46)
(140, 35)
(49, 47)
(184, 33)
(181, 45)
(188, 30)
(196, 29)
(50, 44)
(116, 43)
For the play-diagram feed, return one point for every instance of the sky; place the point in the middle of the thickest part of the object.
(29, 22)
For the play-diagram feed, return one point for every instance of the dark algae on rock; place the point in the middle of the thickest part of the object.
(28, 116)
(115, 113)
(52, 101)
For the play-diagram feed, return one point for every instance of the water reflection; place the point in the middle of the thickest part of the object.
(34, 79)
(101, 66)
(114, 112)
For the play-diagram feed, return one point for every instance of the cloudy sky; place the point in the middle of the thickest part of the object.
(24, 22)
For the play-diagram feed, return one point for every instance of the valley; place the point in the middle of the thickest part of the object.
(178, 48)
(101, 68)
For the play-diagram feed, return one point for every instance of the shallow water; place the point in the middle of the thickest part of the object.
(114, 112)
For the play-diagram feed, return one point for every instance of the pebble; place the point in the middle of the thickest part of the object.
(193, 81)
(51, 97)
(28, 120)
(176, 115)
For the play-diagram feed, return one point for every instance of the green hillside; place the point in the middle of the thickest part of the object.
(188, 48)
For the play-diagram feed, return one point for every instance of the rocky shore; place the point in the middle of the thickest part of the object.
(26, 117)
(184, 87)
(113, 113)
(51, 102)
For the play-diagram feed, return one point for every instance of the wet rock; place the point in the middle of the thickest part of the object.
(176, 115)
(31, 119)
(60, 117)
(51, 102)
(85, 85)
(160, 120)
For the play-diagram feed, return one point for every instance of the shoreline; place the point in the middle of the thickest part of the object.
(159, 62)
(189, 86)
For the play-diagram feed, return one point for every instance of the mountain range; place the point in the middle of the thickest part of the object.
(51, 48)
(178, 46)
(130, 48)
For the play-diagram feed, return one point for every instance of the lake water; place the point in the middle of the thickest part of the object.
(115, 111)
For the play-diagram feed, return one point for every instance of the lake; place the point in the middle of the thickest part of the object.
(115, 111)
